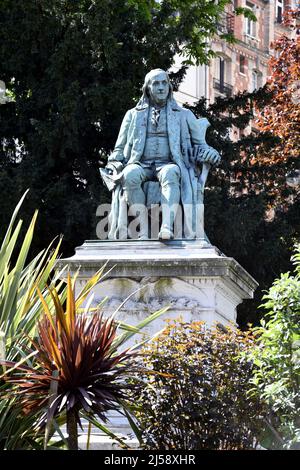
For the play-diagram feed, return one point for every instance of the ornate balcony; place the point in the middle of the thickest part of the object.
(225, 24)
(251, 41)
(222, 87)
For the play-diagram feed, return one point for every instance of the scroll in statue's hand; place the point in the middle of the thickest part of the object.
(111, 174)
(109, 170)
(114, 167)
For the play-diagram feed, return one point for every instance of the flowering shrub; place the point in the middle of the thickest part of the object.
(198, 399)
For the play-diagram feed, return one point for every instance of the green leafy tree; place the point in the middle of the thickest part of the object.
(277, 360)
(73, 68)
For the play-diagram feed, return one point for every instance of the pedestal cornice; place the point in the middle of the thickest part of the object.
(137, 259)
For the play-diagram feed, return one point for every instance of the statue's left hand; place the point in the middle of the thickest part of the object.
(206, 154)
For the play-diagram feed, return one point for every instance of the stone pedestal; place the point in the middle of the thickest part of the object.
(193, 277)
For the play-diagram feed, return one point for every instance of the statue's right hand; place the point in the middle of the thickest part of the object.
(114, 167)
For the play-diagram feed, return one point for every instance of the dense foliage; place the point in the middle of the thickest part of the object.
(72, 69)
(197, 399)
(242, 217)
(281, 116)
(251, 213)
(277, 360)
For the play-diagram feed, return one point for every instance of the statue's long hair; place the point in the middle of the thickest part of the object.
(145, 96)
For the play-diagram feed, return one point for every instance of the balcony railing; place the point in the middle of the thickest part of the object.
(225, 24)
(251, 41)
(222, 87)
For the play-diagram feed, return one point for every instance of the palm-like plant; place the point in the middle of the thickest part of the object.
(19, 303)
(47, 344)
(92, 376)
(20, 307)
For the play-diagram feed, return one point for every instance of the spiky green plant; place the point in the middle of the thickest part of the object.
(84, 349)
(40, 340)
(20, 307)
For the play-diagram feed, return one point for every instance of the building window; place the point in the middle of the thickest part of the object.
(249, 24)
(242, 63)
(254, 80)
(222, 74)
(279, 11)
(222, 71)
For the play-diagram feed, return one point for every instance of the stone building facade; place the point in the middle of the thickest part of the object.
(243, 65)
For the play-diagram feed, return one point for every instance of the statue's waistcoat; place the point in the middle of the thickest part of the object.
(157, 148)
(138, 132)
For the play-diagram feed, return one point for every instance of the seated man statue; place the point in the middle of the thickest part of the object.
(158, 140)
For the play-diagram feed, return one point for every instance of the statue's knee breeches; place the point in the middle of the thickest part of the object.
(169, 174)
(132, 179)
(133, 175)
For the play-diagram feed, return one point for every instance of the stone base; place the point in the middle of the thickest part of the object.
(192, 277)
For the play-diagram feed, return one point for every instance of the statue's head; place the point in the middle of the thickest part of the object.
(157, 86)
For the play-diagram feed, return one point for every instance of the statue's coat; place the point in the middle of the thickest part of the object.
(184, 132)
